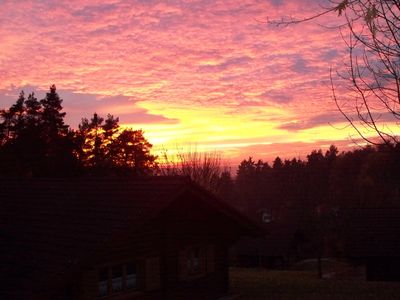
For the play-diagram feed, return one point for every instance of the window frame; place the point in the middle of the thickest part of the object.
(110, 289)
(194, 260)
(192, 267)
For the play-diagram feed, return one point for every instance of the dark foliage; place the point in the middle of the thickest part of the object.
(321, 190)
(35, 141)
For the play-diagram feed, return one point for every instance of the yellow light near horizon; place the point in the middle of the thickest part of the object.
(208, 126)
(237, 135)
(340, 131)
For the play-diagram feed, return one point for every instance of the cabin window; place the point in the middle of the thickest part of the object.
(193, 260)
(210, 259)
(130, 276)
(114, 279)
(196, 262)
(103, 282)
(267, 217)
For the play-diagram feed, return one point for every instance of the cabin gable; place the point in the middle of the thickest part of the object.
(153, 238)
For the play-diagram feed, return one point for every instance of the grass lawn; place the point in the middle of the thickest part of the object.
(255, 284)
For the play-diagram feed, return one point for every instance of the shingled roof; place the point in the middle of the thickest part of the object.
(49, 226)
(374, 232)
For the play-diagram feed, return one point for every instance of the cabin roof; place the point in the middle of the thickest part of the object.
(48, 226)
(374, 232)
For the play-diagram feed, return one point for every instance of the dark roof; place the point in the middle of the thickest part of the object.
(374, 232)
(48, 226)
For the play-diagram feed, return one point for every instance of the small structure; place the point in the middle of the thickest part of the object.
(154, 238)
(277, 248)
(374, 238)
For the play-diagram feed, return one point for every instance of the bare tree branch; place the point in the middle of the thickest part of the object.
(372, 70)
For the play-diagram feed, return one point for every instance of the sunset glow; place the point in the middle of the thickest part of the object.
(205, 73)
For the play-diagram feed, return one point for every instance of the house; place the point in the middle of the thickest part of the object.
(151, 238)
(374, 238)
(277, 248)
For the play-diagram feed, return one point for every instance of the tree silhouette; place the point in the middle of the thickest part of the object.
(52, 117)
(91, 138)
(372, 71)
(204, 168)
(104, 148)
(131, 153)
(12, 119)
(110, 131)
(226, 188)
(33, 111)
(371, 74)
(35, 141)
(59, 158)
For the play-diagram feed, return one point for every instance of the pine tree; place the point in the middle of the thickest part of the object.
(110, 130)
(33, 111)
(52, 117)
(91, 141)
(132, 153)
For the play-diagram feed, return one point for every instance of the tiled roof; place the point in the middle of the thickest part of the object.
(374, 232)
(48, 226)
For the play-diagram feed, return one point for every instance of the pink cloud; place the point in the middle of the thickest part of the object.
(124, 56)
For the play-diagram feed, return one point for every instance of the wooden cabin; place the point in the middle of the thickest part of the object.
(373, 238)
(151, 238)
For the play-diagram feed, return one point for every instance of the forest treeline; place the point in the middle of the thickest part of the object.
(35, 141)
(317, 191)
(318, 194)
(323, 181)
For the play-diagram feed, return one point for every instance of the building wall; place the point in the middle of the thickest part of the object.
(161, 254)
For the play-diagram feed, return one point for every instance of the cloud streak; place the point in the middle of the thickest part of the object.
(199, 71)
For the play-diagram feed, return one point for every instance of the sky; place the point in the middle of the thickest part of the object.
(207, 74)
